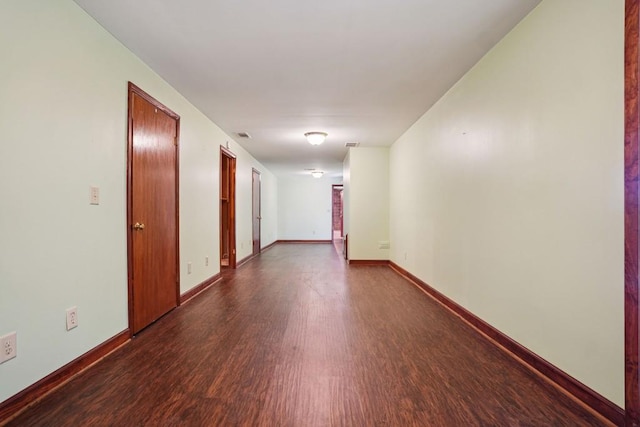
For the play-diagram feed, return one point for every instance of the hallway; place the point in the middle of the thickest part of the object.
(296, 337)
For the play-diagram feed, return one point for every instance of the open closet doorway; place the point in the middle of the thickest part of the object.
(227, 209)
(337, 226)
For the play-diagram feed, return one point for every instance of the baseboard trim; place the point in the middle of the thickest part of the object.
(303, 241)
(570, 385)
(246, 259)
(21, 401)
(368, 262)
(252, 256)
(199, 288)
(269, 246)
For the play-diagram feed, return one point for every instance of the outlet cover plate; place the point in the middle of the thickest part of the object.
(8, 346)
(94, 195)
(72, 318)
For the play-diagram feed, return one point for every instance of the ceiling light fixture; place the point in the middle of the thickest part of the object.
(315, 138)
(317, 174)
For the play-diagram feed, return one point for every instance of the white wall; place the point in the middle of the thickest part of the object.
(63, 84)
(244, 208)
(269, 208)
(368, 202)
(304, 207)
(507, 196)
(346, 194)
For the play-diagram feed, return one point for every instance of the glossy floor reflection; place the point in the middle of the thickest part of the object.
(296, 337)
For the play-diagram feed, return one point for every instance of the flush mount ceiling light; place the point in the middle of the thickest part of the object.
(315, 138)
(317, 174)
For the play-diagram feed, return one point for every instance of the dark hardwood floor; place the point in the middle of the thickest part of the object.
(297, 338)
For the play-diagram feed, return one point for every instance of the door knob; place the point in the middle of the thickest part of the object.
(138, 226)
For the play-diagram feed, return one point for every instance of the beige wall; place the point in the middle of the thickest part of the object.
(507, 195)
(367, 202)
(63, 85)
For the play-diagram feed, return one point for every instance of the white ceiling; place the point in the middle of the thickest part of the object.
(361, 70)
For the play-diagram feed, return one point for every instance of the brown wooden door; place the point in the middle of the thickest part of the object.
(153, 233)
(256, 211)
(227, 208)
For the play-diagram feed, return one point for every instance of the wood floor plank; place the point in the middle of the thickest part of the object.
(298, 338)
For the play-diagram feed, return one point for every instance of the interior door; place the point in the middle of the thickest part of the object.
(256, 211)
(152, 207)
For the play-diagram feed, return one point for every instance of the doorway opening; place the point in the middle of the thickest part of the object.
(227, 208)
(337, 224)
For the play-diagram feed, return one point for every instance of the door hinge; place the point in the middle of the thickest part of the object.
(175, 141)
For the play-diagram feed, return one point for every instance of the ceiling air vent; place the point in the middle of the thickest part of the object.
(351, 144)
(244, 135)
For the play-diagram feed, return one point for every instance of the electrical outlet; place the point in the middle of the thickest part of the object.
(72, 318)
(94, 195)
(8, 346)
(206, 261)
(188, 268)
